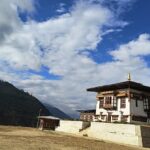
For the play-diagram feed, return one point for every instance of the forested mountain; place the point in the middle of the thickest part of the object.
(18, 107)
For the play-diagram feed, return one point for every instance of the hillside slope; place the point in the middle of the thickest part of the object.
(18, 107)
(56, 112)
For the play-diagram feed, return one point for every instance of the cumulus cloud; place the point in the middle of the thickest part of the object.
(62, 44)
(135, 48)
(70, 33)
(131, 57)
(9, 17)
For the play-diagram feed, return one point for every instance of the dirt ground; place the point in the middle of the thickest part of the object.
(20, 138)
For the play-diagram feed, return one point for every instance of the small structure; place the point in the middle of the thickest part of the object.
(87, 115)
(48, 122)
(123, 102)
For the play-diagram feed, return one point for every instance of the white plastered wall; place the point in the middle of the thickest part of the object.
(119, 111)
(121, 133)
(137, 111)
(69, 126)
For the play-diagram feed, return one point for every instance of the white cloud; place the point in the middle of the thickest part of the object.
(135, 48)
(70, 33)
(61, 8)
(9, 19)
(62, 44)
(130, 57)
(21, 51)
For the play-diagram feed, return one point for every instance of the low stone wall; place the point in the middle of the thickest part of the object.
(120, 133)
(69, 126)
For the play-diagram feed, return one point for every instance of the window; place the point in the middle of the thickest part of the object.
(124, 118)
(103, 117)
(115, 102)
(101, 103)
(136, 103)
(91, 117)
(145, 104)
(108, 100)
(88, 117)
(96, 116)
(122, 103)
(115, 117)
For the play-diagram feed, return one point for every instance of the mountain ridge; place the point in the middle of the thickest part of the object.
(20, 108)
(56, 112)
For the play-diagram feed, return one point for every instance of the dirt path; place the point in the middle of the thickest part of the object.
(19, 138)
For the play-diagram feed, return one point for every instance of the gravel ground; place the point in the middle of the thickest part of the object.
(21, 138)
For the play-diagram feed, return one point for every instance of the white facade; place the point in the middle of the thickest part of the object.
(127, 101)
(133, 107)
(118, 112)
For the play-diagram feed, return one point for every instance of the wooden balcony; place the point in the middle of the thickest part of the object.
(109, 106)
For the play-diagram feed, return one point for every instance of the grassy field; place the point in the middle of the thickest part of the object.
(19, 138)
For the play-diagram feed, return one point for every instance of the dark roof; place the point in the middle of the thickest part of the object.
(48, 117)
(121, 85)
(88, 111)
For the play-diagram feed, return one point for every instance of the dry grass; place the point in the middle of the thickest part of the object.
(19, 138)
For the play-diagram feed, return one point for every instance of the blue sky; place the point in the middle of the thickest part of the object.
(135, 15)
(56, 49)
